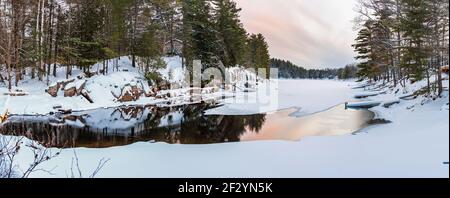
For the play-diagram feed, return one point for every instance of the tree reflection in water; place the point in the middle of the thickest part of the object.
(122, 126)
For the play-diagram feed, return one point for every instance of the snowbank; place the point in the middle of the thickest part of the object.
(105, 90)
(415, 144)
(364, 104)
(368, 94)
(309, 95)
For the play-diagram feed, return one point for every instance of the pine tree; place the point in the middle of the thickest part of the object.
(231, 33)
(148, 47)
(199, 37)
(258, 53)
(364, 49)
(86, 39)
(47, 33)
(416, 14)
(385, 45)
(118, 25)
(168, 17)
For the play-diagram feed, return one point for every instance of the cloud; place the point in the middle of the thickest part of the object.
(313, 34)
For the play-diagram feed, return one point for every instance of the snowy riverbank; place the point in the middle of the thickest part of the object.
(107, 90)
(415, 144)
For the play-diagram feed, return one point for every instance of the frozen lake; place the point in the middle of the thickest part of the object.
(188, 124)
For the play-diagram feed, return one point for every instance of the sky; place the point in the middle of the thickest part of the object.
(309, 33)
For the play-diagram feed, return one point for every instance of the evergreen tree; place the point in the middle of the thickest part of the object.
(118, 25)
(169, 18)
(258, 53)
(416, 14)
(46, 33)
(148, 47)
(231, 33)
(88, 27)
(365, 48)
(200, 39)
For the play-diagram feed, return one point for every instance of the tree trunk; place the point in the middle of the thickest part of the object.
(50, 39)
(41, 69)
(36, 39)
(57, 34)
(399, 44)
(441, 59)
(133, 39)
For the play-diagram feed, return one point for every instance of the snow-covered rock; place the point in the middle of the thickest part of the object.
(74, 88)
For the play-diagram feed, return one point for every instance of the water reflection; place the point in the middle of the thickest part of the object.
(178, 125)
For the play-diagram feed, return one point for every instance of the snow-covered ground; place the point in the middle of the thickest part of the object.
(38, 102)
(309, 95)
(415, 144)
(104, 89)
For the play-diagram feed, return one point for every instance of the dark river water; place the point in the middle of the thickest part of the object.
(103, 128)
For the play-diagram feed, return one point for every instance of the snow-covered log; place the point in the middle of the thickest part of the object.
(388, 104)
(363, 105)
(368, 94)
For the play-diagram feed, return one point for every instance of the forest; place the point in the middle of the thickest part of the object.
(403, 40)
(39, 36)
(289, 70)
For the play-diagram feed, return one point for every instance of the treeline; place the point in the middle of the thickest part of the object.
(38, 35)
(402, 40)
(288, 70)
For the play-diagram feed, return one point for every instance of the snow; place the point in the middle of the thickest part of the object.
(415, 143)
(387, 103)
(77, 84)
(309, 95)
(3, 103)
(367, 94)
(174, 72)
(104, 89)
(364, 104)
(99, 88)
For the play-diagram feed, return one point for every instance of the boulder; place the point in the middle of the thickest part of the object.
(63, 84)
(126, 97)
(71, 92)
(80, 87)
(130, 93)
(74, 88)
(53, 90)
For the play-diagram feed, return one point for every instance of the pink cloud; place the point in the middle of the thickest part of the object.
(310, 33)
